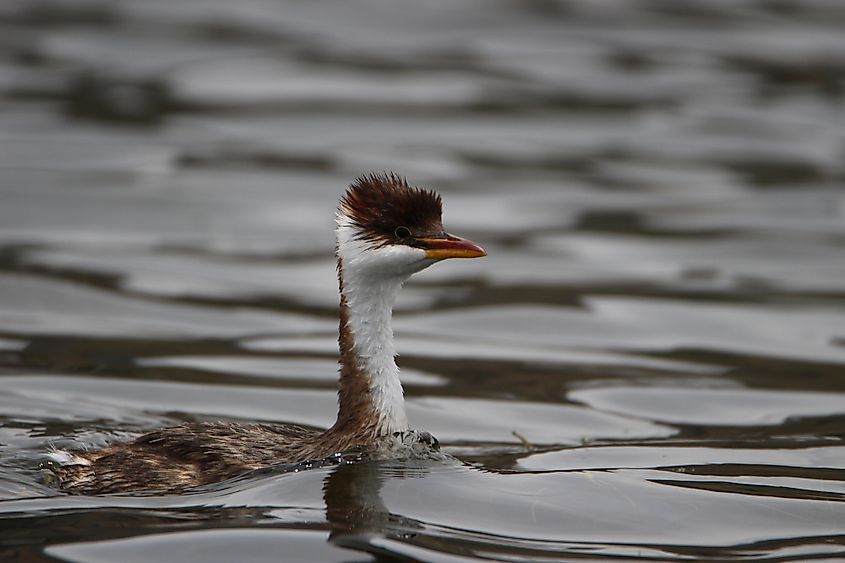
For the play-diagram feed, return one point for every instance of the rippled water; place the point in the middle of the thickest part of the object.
(649, 364)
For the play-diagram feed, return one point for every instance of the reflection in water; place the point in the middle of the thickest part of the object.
(355, 509)
(418, 510)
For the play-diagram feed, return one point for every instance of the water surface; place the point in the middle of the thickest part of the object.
(649, 364)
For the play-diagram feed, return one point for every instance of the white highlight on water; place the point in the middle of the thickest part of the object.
(64, 457)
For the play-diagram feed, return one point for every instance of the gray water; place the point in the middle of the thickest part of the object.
(650, 363)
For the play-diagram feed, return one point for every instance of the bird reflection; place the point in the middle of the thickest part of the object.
(355, 509)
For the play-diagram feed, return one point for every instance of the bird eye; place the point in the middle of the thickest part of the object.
(402, 232)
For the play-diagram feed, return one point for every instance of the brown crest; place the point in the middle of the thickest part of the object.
(379, 204)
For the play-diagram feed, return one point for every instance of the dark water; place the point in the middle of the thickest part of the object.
(649, 364)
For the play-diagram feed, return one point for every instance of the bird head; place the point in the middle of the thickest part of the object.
(387, 228)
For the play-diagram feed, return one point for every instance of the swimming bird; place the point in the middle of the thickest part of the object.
(386, 231)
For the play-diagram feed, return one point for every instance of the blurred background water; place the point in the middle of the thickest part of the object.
(659, 185)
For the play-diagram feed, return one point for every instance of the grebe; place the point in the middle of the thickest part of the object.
(386, 231)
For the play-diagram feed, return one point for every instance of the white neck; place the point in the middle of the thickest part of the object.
(370, 303)
(371, 279)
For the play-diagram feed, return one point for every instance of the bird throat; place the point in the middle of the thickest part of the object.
(371, 399)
